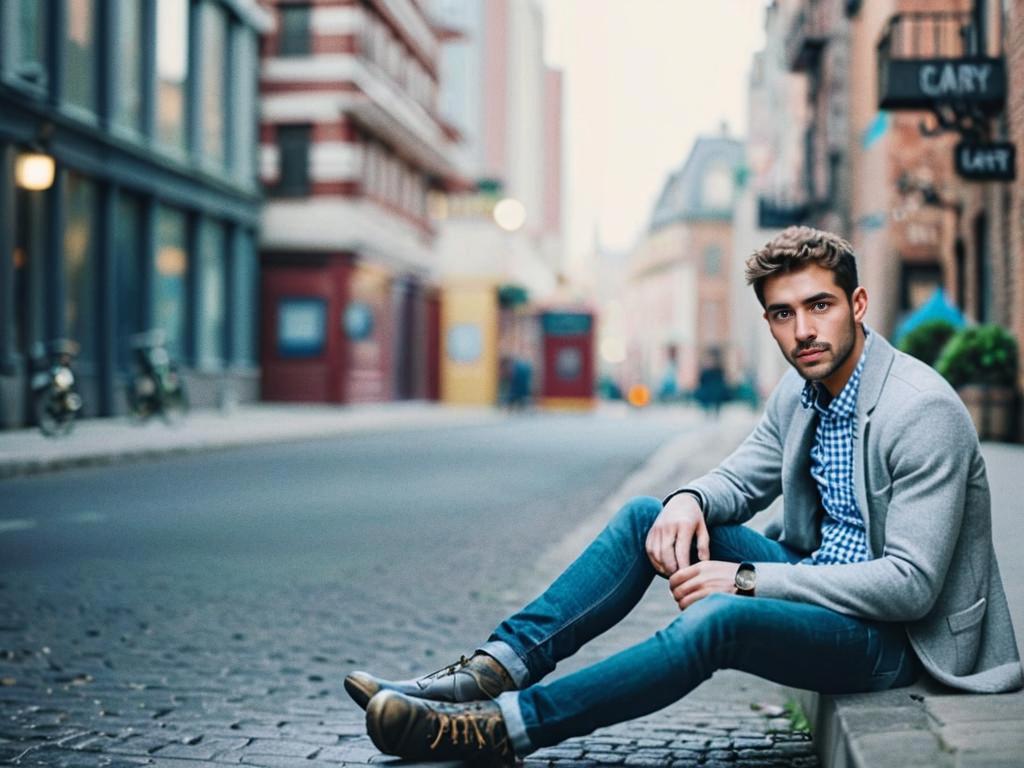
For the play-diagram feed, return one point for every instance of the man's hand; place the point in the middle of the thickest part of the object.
(668, 541)
(699, 580)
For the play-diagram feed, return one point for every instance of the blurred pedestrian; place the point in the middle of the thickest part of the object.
(712, 389)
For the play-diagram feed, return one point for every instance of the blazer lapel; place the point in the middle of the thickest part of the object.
(880, 356)
(799, 493)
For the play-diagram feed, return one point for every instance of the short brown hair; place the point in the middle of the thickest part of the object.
(796, 247)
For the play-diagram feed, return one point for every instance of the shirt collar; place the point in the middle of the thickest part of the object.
(845, 403)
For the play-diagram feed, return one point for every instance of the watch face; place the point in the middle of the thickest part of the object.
(745, 580)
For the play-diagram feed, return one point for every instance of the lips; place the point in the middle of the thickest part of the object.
(810, 355)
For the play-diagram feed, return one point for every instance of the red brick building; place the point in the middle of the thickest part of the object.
(351, 144)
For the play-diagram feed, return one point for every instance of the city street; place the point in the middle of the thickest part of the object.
(206, 608)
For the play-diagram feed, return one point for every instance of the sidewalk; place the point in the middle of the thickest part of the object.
(107, 441)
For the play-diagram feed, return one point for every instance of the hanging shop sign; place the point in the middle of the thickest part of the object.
(986, 162)
(922, 83)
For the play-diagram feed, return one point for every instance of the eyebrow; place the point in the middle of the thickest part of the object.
(809, 300)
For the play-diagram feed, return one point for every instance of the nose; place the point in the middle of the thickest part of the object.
(805, 330)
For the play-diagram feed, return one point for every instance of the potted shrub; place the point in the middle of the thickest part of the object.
(926, 341)
(981, 363)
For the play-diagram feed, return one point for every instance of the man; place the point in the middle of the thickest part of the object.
(884, 565)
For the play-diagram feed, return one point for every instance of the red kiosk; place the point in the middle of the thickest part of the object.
(567, 340)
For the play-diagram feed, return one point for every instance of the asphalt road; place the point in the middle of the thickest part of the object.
(206, 608)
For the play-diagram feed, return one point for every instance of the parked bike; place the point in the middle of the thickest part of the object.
(156, 387)
(55, 399)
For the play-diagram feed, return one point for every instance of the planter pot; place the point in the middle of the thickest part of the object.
(992, 409)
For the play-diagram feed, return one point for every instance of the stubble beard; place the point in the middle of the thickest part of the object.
(843, 353)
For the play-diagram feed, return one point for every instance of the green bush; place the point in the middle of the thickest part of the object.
(927, 340)
(984, 354)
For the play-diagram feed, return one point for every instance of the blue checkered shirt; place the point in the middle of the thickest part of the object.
(843, 538)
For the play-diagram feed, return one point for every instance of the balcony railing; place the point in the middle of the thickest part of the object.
(927, 59)
(807, 36)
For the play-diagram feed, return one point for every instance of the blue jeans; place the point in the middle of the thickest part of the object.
(795, 644)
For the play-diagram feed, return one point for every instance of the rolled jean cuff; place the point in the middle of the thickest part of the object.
(509, 659)
(508, 703)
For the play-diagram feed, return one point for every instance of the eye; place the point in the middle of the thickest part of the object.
(782, 314)
(821, 306)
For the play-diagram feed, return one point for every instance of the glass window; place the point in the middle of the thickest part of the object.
(301, 327)
(214, 36)
(128, 108)
(211, 298)
(170, 296)
(171, 70)
(294, 31)
(80, 54)
(293, 147)
(244, 302)
(243, 91)
(127, 249)
(29, 42)
(80, 264)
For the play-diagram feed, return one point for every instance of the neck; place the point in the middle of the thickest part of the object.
(835, 382)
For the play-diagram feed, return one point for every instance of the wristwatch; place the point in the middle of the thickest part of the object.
(746, 579)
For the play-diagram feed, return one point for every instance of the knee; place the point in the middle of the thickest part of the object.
(713, 618)
(639, 513)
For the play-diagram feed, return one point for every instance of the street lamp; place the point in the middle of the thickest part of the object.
(509, 214)
(34, 171)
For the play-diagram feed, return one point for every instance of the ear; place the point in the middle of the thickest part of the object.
(859, 301)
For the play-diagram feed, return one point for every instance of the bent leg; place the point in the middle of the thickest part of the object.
(795, 644)
(593, 594)
(601, 587)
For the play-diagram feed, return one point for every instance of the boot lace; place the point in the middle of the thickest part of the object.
(451, 669)
(464, 729)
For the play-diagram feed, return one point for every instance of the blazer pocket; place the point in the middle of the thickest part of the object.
(965, 626)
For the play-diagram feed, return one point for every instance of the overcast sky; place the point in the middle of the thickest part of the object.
(643, 78)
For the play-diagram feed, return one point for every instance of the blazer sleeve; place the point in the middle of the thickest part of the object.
(750, 478)
(929, 454)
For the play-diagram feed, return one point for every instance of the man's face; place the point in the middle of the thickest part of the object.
(814, 324)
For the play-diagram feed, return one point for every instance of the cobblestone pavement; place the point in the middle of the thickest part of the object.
(200, 663)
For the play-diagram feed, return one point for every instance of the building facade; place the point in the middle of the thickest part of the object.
(918, 216)
(496, 268)
(351, 145)
(148, 112)
(680, 274)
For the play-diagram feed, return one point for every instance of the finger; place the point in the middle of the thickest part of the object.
(667, 552)
(703, 541)
(682, 548)
(652, 551)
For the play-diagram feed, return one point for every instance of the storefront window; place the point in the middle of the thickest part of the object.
(211, 300)
(127, 248)
(170, 295)
(214, 36)
(80, 264)
(171, 70)
(80, 54)
(244, 300)
(129, 74)
(29, 42)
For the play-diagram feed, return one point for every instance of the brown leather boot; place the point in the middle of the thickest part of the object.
(478, 677)
(416, 729)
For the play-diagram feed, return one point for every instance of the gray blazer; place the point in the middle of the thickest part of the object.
(921, 486)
